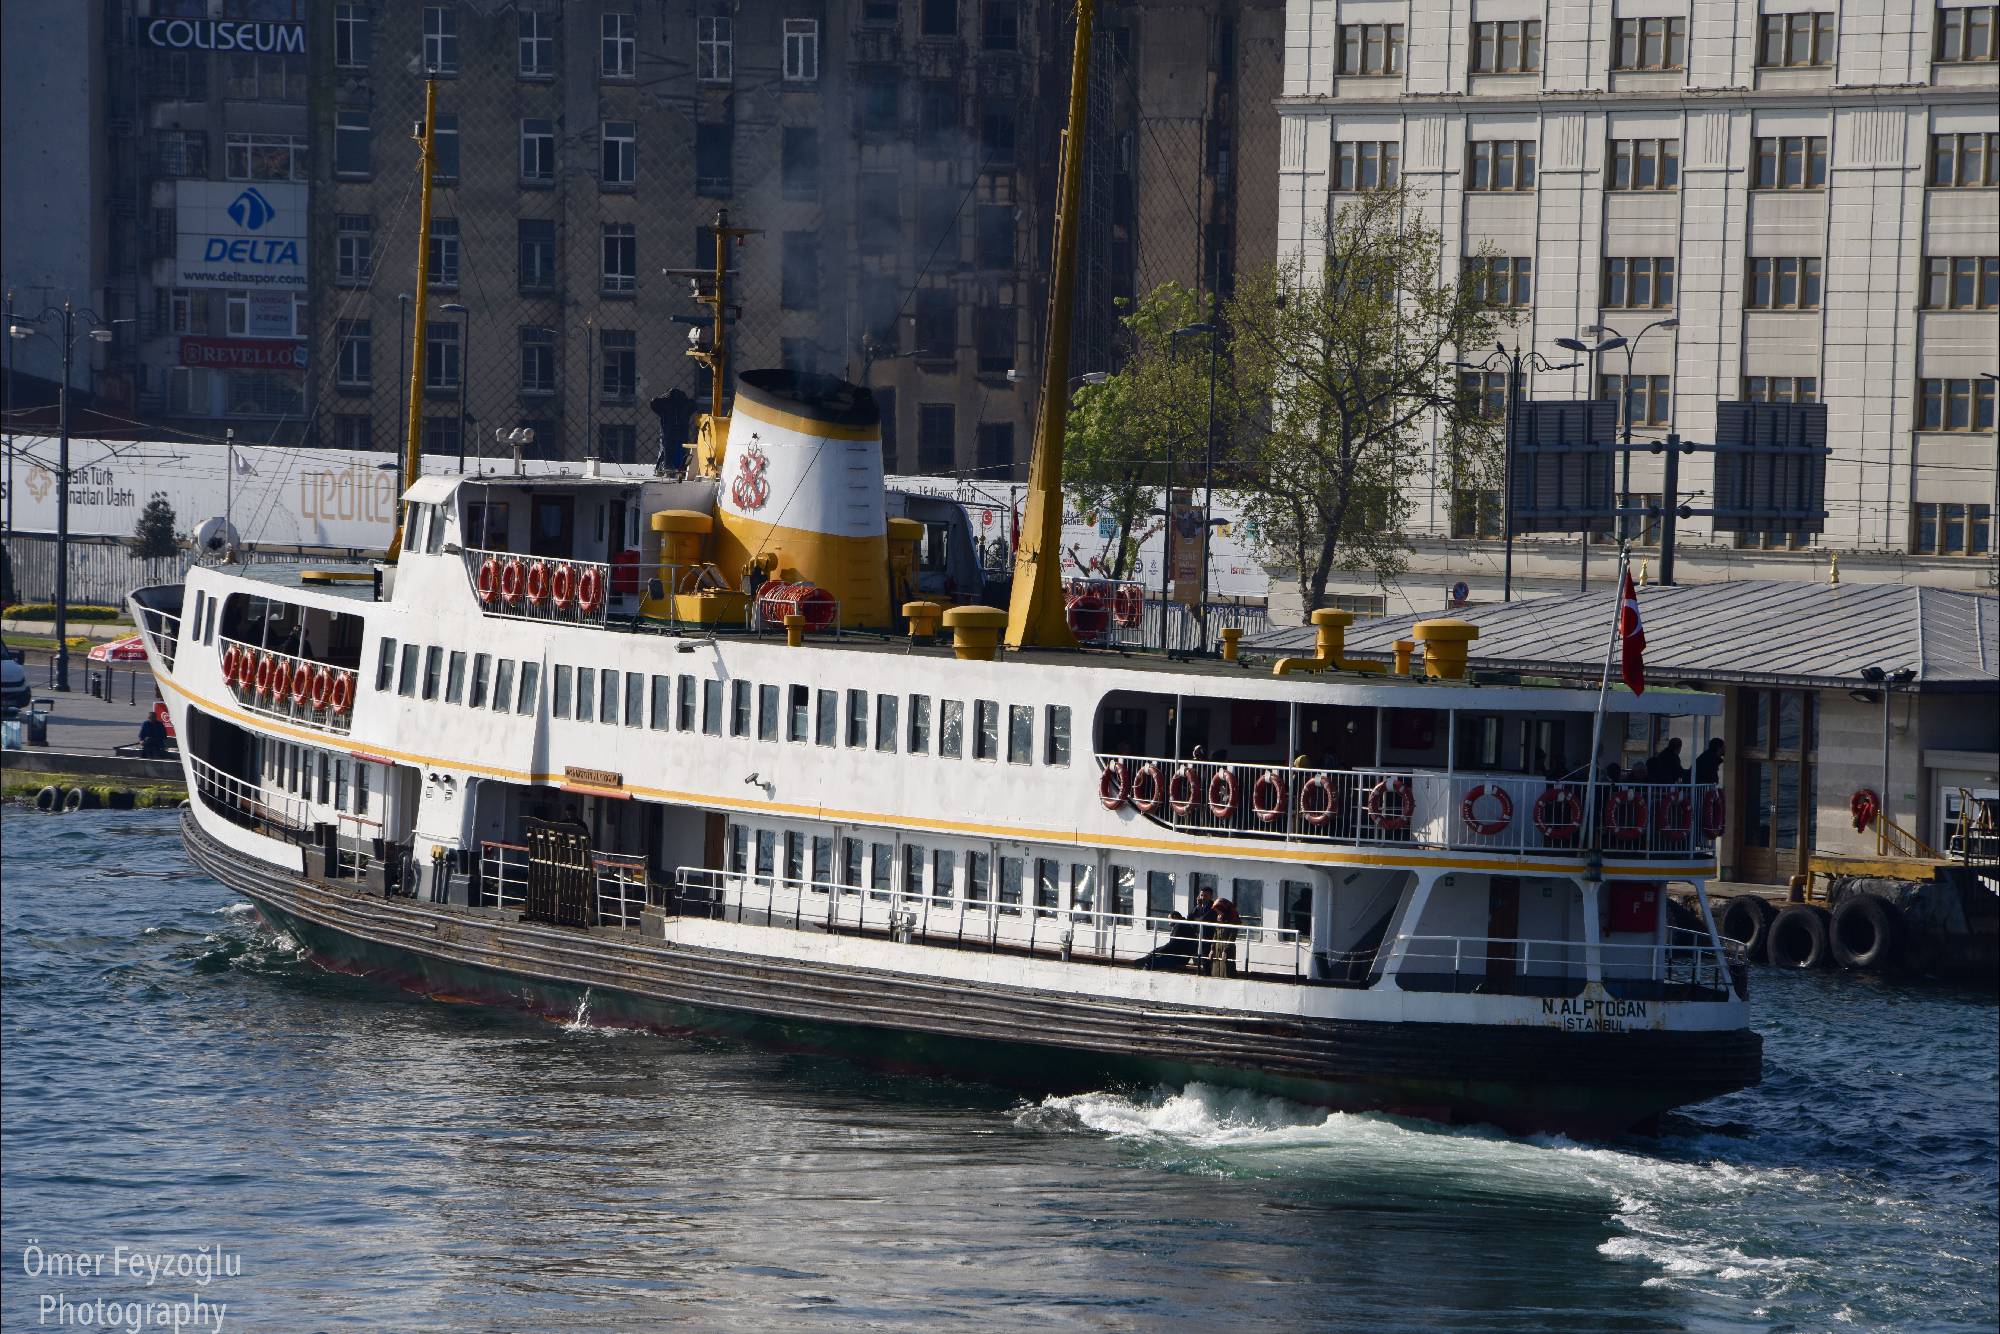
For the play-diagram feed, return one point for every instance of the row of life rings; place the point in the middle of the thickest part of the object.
(514, 582)
(276, 679)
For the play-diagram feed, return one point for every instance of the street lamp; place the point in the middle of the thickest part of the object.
(98, 332)
(1613, 341)
(1512, 361)
(464, 371)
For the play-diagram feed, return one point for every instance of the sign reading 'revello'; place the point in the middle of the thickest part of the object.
(227, 35)
(241, 234)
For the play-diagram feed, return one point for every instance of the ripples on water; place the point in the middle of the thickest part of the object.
(176, 1074)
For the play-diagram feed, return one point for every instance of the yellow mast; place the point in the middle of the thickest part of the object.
(413, 458)
(714, 427)
(1035, 611)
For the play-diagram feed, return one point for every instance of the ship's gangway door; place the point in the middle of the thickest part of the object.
(560, 884)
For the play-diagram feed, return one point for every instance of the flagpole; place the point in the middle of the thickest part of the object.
(1603, 688)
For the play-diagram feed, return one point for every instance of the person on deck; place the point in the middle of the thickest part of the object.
(1666, 767)
(1708, 764)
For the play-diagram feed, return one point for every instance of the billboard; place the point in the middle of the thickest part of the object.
(1770, 467)
(245, 234)
(1563, 454)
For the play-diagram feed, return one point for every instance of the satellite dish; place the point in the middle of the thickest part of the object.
(216, 537)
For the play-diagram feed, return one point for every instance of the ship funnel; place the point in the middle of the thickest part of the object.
(802, 487)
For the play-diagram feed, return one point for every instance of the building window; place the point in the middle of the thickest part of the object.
(538, 362)
(1961, 282)
(1781, 388)
(351, 143)
(620, 269)
(184, 153)
(1965, 161)
(618, 45)
(937, 18)
(538, 151)
(354, 248)
(1956, 405)
(993, 236)
(1501, 164)
(1652, 400)
(353, 431)
(440, 39)
(264, 157)
(355, 368)
(1371, 49)
(617, 442)
(441, 363)
(937, 117)
(1795, 40)
(1501, 280)
(1659, 43)
(996, 450)
(937, 222)
(1000, 25)
(1784, 283)
(1483, 393)
(620, 158)
(937, 444)
(878, 101)
(937, 323)
(1791, 162)
(996, 134)
(353, 43)
(714, 161)
(1476, 513)
(444, 252)
(1512, 47)
(1367, 166)
(1645, 164)
(993, 338)
(536, 51)
(1639, 283)
(535, 242)
(880, 217)
(1967, 35)
(249, 77)
(444, 148)
(799, 282)
(801, 50)
(714, 54)
(799, 162)
(1953, 530)
(618, 379)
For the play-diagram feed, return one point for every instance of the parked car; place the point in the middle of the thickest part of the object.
(13, 686)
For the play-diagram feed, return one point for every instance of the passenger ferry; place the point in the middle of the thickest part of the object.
(734, 750)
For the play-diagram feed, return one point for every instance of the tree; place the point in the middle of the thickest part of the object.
(154, 532)
(1122, 432)
(1345, 361)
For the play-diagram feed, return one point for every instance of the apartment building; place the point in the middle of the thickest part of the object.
(1792, 200)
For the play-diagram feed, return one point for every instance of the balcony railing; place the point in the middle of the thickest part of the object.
(624, 886)
(1686, 965)
(539, 588)
(289, 688)
(163, 633)
(1414, 808)
(281, 815)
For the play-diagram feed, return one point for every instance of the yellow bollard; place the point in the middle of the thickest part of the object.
(1446, 646)
(1404, 648)
(923, 619)
(1231, 635)
(975, 631)
(795, 629)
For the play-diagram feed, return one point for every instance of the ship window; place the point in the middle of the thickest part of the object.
(1082, 887)
(829, 718)
(767, 713)
(437, 528)
(739, 708)
(795, 857)
(482, 663)
(385, 666)
(881, 865)
(1297, 896)
(978, 877)
(711, 707)
(531, 680)
(920, 725)
(951, 729)
(767, 854)
(562, 691)
(325, 778)
(454, 678)
(1020, 734)
(1124, 892)
(822, 867)
(1048, 886)
(944, 874)
(686, 719)
(503, 685)
(857, 718)
(986, 730)
(1159, 893)
(361, 788)
(801, 711)
(663, 702)
(913, 870)
(850, 863)
(1057, 745)
(635, 700)
(407, 685)
(739, 849)
(1248, 896)
(885, 723)
(1012, 872)
(433, 671)
(607, 697)
(586, 694)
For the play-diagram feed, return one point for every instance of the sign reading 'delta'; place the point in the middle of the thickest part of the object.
(227, 35)
(233, 234)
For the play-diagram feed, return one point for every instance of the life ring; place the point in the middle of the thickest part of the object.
(1222, 793)
(590, 589)
(1714, 813)
(1380, 813)
(1128, 605)
(301, 683)
(1558, 813)
(1183, 790)
(1111, 785)
(1468, 810)
(321, 685)
(510, 582)
(230, 658)
(266, 668)
(1147, 789)
(537, 583)
(341, 694)
(1316, 800)
(488, 582)
(1864, 806)
(1267, 796)
(562, 587)
(1673, 812)
(1625, 816)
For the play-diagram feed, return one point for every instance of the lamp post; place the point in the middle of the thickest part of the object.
(1613, 341)
(98, 332)
(464, 371)
(1513, 362)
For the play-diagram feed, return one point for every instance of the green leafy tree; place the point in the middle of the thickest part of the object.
(1342, 360)
(154, 533)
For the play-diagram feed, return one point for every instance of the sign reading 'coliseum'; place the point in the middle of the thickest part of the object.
(225, 35)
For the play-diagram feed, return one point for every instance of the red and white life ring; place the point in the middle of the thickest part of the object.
(1148, 789)
(1381, 813)
(1714, 813)
(230, 662)
(1183, 790)
(1222, 793)
(1128, 605)
(510, 582)
(562, 587)
(1468, 810)
(267, 667)
(1267, 797)
(1625, 815)
(1111, 785)
(320, 685)
(1558, 813)
(301, 683)
(487, 584)
(537, 584)
(1864, 806)
(1316, 800)
(341, 695)
(1673, 812)
(590, 589)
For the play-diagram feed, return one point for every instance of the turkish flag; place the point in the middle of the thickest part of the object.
(1631, 637)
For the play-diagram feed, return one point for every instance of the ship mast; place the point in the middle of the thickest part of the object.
(1035, 612)
(413, 458)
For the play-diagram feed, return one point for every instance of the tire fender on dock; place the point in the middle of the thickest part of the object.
(1866, 932)
(1746, 919)
(49, 798)
(1798, 937)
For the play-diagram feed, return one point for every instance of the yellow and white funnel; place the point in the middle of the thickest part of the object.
(801, 490)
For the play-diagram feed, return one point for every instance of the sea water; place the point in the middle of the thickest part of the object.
(180, 1082)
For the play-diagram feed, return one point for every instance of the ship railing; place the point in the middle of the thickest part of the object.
(623, 885)
(554, 571)
(1106, 613)
(1394, 807)
(285, 816)
(503, 876)
(1686, 964)
(1005, 920)
(163, 633)
(247, 687)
